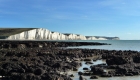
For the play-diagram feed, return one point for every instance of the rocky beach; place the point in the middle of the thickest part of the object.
(51, 60)
(69, 40)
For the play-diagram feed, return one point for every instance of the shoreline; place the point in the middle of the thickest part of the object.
(44, 60)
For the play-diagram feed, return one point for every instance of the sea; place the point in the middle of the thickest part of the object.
(115, 44)
(133, 45)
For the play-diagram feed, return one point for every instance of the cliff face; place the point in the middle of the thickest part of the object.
(44, 34)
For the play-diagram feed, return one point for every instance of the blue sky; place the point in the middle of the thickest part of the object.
(87, 17)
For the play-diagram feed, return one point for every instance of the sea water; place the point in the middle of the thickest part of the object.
(115, 45)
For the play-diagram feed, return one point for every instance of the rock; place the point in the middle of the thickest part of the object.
(93, 77)
(85, 68)
(75, 69)
(88, 62)
(57, 65)
(87, 73)
(136, 59)
(38, 71)
(30, 76)
(81, 78)
(71, 75)
(97, 70)
(106, 75)
(94, 59)
(135, 72)
(87, 59)
(117, 60)
(111, 73)
(80, 73)
(129, 74)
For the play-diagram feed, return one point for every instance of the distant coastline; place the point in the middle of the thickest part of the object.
(45, 34)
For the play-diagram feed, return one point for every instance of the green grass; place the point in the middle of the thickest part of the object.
(5, 32)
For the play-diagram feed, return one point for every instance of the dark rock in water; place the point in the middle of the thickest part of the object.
(111, 73)
(81, 78)
(87, 59)
(94, 59)
(85, 68)
(99, 58)
(80, 73)
(87, 73)
(106, 75)
(97, 70)
(102, 65)
(117, 74)
(88, 62)
(71, 75)
(115, 60)
(112, 66)
(129, 74)
(93, 77)
(75, 69)
(134, 72)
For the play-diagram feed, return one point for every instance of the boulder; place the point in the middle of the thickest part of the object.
(93, 77)
(97, 70)
(117, 60)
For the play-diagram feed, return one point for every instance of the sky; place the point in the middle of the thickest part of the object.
(112, 18)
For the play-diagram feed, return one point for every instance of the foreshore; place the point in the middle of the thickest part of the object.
(41, 60)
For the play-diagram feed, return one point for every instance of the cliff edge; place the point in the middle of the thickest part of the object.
(45, 34)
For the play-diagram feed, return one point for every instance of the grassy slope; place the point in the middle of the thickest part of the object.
(5, 32)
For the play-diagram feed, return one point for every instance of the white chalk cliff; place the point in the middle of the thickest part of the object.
(44, 34)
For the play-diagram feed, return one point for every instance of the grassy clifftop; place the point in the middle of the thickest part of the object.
(5, 32)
